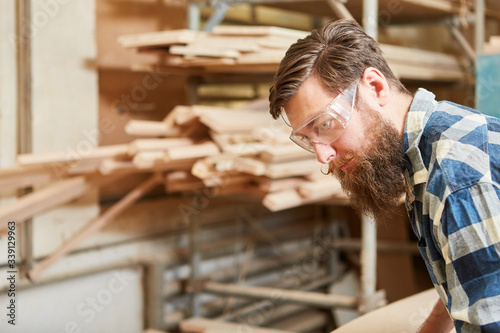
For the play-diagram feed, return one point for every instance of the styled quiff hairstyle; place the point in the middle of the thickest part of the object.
(338, 53)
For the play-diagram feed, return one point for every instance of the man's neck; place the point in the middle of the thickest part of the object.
(397, 109)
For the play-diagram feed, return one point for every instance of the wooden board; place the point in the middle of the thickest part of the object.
(159, 38)
(43, 200)
(405, 315)
(240, 30)
(202, 325)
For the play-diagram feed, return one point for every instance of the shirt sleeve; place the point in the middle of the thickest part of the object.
(469, 239)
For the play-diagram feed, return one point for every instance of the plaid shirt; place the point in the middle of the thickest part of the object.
(452, 168)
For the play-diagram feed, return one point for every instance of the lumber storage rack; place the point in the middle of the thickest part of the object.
(305, 295)
(371, 12)
(369, 298)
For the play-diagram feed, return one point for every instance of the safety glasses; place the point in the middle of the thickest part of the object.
(327, 125)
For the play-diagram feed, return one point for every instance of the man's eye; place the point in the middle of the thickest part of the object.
(303, 137)
(326, 124)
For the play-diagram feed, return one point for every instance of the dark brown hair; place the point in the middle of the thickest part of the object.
(337, 52)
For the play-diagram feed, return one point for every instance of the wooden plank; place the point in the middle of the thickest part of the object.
(243, 68)
(276, 42)
(276, 185)
(180, 115)
(314, 299)
(263, 57)
(231, 30)
(150, 128)
(284, 153)
(111, 167)
(445, 6)
(95, 153)
(177, 181)
(237, 43)
(228, 180)
(326, 187)
(22, 177)
(413, 72)
(281, 200)
(193, 151)
(146, 159)
(195, 325)
(292, 168)
(395, 316)
(223, 120)
(159, 38)
(204, 51)
(140, 145)
(43, 200)
(194, 62)
(409, 55)
(214, 166)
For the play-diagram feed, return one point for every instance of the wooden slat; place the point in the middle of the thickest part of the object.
(415, 72)
(204, 51)
(149, 128)
(72, 156)
(21, 177)
(287, 199)
(159, 38)
(239, 30)
(314, 299)
(237, 43)
(223, 120)
(202, 325)
(139, 145)
(43, 200)
(325, 187)
(276, 185)
(407, 55)
(193, 151)
(292, 168)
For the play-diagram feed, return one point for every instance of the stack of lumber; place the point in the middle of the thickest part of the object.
(243, 152)
(232, 151)
(492, 46)
(226, 48)
(259, 49)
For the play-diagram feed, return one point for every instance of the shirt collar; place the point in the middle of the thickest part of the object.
(421, 107)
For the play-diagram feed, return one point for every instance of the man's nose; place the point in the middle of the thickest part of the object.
(324, 153)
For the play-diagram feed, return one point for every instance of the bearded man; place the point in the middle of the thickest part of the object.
(344, 104)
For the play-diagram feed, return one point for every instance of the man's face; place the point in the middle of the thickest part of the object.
(366, 157)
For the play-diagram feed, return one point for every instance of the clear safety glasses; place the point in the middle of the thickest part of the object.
(326, 126)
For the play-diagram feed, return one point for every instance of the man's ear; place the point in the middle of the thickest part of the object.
(377, 85)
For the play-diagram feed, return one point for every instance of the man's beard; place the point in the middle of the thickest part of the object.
(375, 183)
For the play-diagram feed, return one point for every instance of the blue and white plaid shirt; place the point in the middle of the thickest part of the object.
(452, 168)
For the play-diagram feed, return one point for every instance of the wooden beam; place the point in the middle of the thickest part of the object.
(238, 30)
(22, 177)
(159, 38)
(139, 145)
(43, 200)
(202, 325)
(204, 51)
(68, 157)
(282, 295)
(149, 128)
